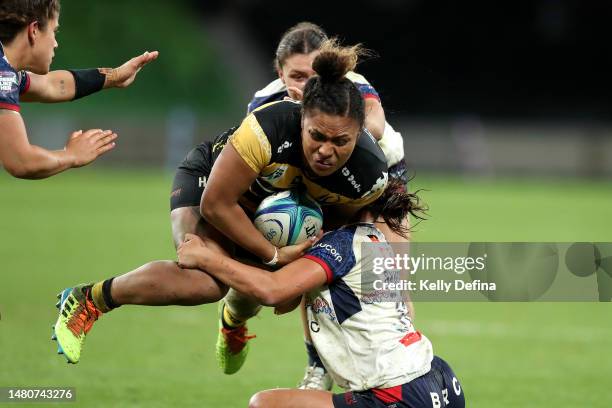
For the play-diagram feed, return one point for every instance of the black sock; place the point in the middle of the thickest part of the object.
(313, 356)
(106, 292)
(100, 294)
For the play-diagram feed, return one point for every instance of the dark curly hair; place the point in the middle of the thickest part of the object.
(395, 204)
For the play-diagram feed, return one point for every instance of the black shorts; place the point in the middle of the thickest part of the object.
(191, 177)
(437, 389)
(190, 181)
(192, 174)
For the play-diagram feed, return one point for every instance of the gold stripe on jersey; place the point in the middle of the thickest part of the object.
(252, 144)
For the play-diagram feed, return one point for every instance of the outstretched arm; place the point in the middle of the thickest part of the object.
(268, 288)
(63, 85)
(23, 160)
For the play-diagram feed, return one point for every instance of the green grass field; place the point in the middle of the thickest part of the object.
(90, 224)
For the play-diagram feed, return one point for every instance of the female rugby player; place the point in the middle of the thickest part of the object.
(319, 145)
(371, 348)
(293, 63)
(295, 53)
(27, 44)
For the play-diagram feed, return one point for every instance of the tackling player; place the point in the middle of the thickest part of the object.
(27, 44)
(371, 348)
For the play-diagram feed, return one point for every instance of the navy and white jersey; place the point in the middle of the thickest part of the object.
(12, 84)
(363, 344)
(391, 142)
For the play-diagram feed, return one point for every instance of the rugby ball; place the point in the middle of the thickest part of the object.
(289, 217)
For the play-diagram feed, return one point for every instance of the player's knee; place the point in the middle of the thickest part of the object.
(262, 399)
(201, 288)
(207, 293)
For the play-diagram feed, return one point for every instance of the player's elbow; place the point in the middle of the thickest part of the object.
(270, 296)
(20, 170)
(208, 212)
(264, 296)
(23, 163)
(210, 208)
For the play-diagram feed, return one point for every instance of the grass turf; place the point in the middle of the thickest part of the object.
(87, 225)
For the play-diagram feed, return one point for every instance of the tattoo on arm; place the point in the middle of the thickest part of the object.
(110, 73)
(62, 87)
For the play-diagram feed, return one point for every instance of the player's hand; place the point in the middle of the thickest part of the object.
(295, 94)
(191, 252)
(84, 147)
(292, 252)
(124, 75)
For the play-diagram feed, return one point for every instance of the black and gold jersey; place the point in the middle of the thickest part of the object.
(269, 141)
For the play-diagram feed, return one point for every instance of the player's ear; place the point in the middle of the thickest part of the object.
(33, 31)
(280, 73)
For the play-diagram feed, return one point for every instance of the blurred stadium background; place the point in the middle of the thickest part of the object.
(505, 112)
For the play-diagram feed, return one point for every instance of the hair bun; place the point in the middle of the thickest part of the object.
(334, 61)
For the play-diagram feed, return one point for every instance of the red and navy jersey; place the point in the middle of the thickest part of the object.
(334, 252)
(364, 343)
(12, 84)
(277, 91)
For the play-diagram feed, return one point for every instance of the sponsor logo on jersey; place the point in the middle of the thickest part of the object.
(277, 173)
(8, 80)
(202, 181)
(351, 179)
(320, 306)
(284, 146)
(331, 250)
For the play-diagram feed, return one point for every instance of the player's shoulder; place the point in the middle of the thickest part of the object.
(274, 91)
(4, 65)
(357, 78)
(7, 71)
(356, 233)
(10, 85)
(344, 234)
(279, 120)
(368, 233)
(367, 151)
(365, 174)
(275, 87)
(335, 249)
